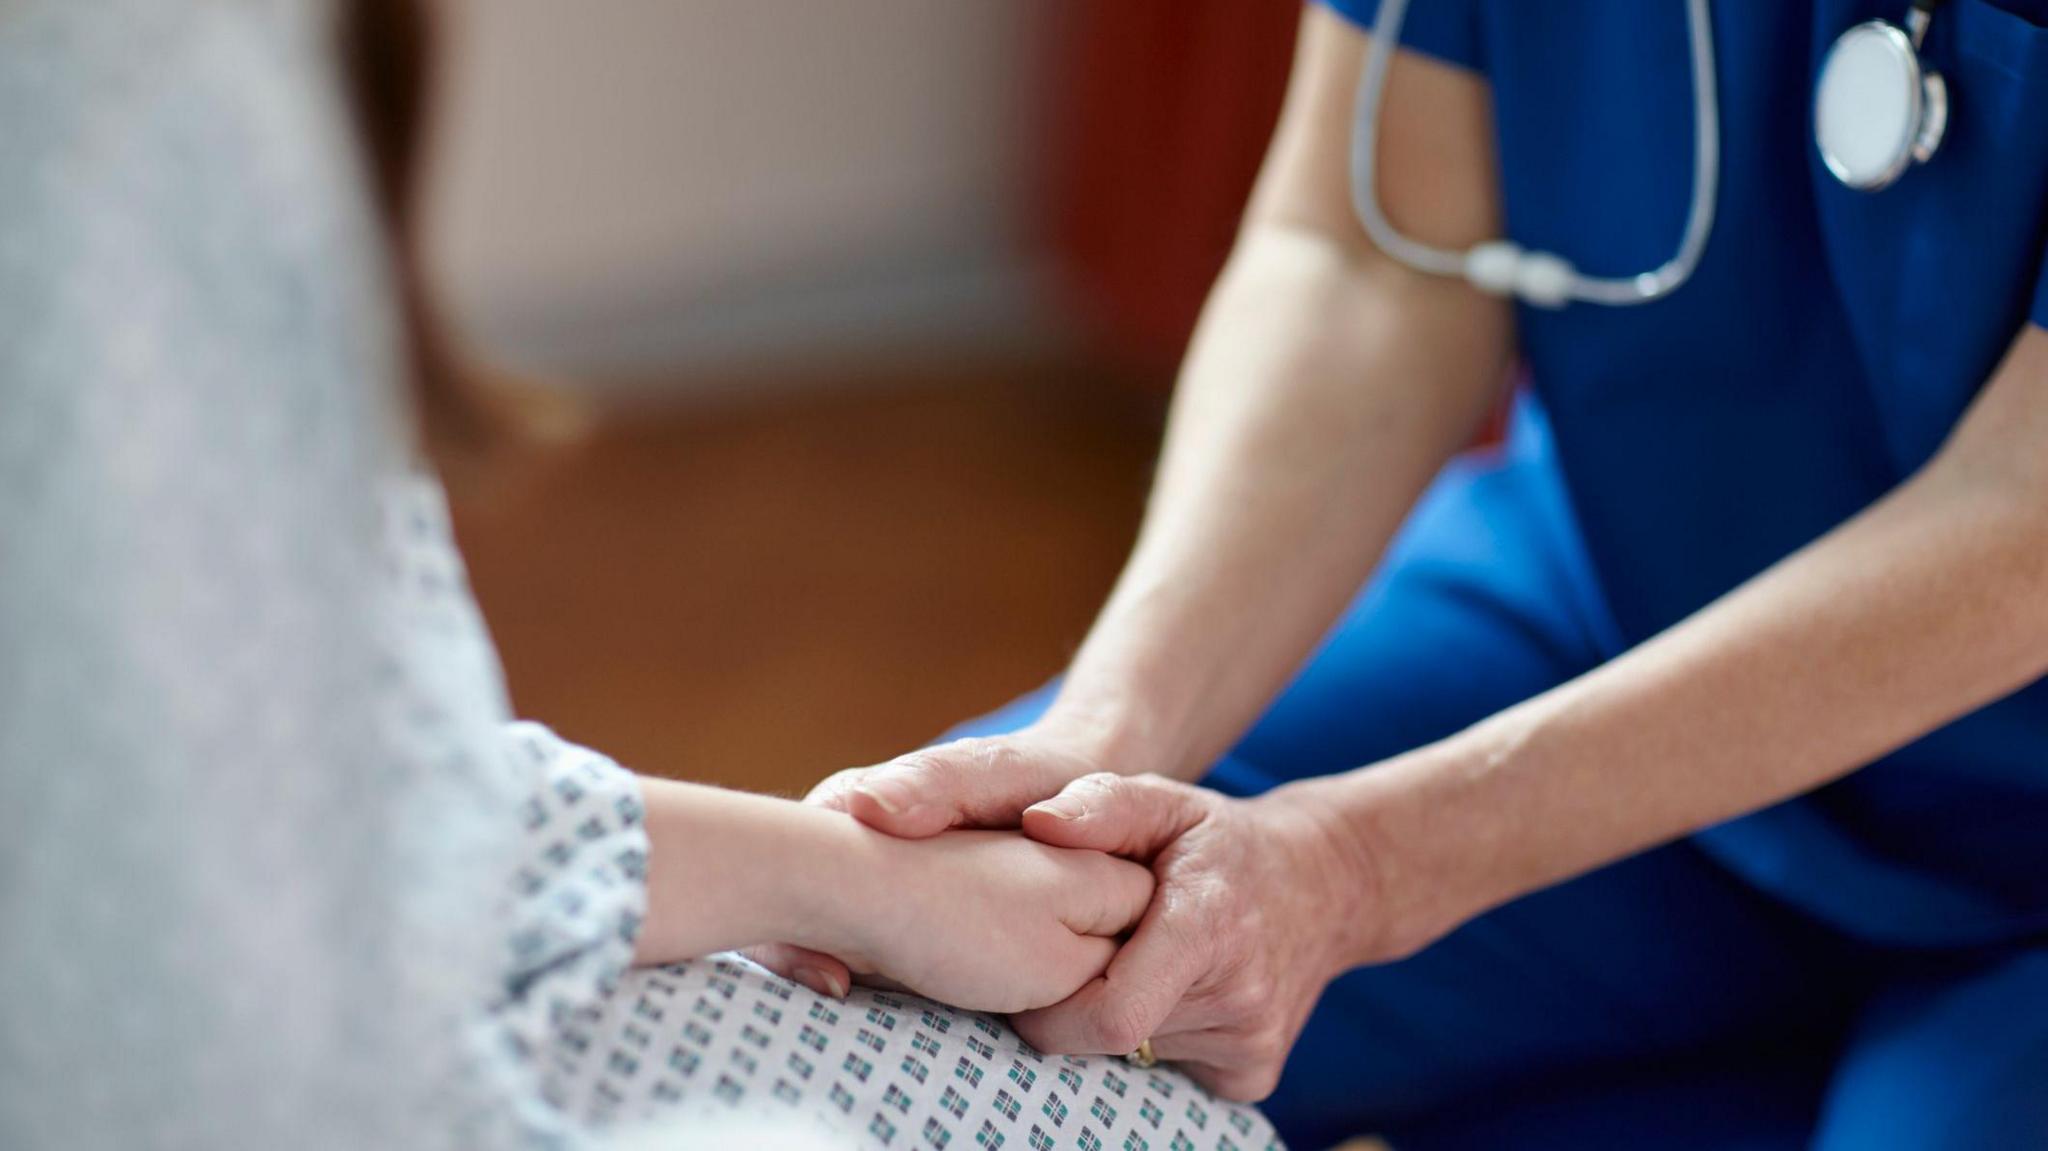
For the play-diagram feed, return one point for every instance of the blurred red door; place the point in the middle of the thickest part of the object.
(1162, 111)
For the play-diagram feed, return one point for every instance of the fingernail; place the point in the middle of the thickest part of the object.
(815, 978)
(888, 797)
(1061, 808)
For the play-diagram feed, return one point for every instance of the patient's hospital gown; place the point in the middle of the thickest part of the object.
(276, 869)
(704, 1039)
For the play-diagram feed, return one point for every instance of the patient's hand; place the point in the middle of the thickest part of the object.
(981, 919)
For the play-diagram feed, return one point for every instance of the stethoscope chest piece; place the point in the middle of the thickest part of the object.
(1878, 110)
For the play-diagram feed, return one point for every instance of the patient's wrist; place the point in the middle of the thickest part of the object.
(841, 875)
(730, 869)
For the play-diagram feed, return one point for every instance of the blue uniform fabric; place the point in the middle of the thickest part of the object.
(1864, 967)
(1828, 343)
(1663, 1002)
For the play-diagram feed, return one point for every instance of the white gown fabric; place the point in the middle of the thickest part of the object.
(276, 867)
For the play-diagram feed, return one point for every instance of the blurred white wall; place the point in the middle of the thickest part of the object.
(627, 186)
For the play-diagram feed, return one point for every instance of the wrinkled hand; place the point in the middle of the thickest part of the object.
(1253, 916)
(987, 920)
(983, 782)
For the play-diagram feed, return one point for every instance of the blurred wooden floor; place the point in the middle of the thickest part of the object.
(760, 592)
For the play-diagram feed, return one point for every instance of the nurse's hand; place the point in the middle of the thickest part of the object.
(1261, 902)
(982, 782)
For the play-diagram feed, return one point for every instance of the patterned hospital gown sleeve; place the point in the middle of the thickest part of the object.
(579, 892)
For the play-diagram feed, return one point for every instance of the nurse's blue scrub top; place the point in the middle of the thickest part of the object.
(1828, 342)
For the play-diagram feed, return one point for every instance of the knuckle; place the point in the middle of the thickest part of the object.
(1134, 877)
(931, 763)
(1248, 997)
(999, 757)
(1153, 783)
(1150, 782)
(1118, 1025)
(831, 791)
(1102, 873)
(842, 779)
(1102, 783)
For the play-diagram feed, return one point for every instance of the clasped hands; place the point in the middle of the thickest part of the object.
(1130, 907)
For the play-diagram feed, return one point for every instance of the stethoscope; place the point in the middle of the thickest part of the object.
(1877, 111)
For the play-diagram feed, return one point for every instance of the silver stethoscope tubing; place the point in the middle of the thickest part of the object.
(1502, 267)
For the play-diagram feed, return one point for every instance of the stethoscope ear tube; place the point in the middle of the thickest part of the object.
(1878, 110)
(1500, 267)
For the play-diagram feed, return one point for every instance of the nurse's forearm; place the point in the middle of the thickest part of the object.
(1319, 398)
(1324, 387)
(1930, 604)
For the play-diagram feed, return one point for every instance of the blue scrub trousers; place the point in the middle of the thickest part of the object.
(1660, 1002)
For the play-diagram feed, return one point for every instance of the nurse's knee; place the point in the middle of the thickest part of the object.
(1954, 1067)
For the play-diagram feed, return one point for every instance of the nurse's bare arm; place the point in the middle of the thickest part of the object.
(1928, 605)
(1324, 388)
(1932, 602)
